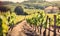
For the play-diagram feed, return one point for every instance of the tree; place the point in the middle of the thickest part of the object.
(19, 10)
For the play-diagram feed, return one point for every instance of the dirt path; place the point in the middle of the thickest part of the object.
(19, 30)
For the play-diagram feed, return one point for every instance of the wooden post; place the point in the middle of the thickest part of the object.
(41, 29)
(49, 28)
(44, 33)
(54, 25)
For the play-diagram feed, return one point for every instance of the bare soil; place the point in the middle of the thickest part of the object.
(24, 29)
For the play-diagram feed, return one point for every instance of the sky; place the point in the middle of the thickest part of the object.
(14, 0)
(24, 0)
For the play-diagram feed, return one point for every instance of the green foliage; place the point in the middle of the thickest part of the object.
(0, 27)
(0, 21)
(5, 20)
(41, 17)
(58, 20)
(37, 18)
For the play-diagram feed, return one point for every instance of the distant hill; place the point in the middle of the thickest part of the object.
(5, 2)
(33, 1)
(36, 0)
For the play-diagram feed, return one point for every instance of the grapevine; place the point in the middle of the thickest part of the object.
(6, 19)
(37, 19)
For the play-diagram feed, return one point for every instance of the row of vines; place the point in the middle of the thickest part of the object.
(7, 20)
(41, 17)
